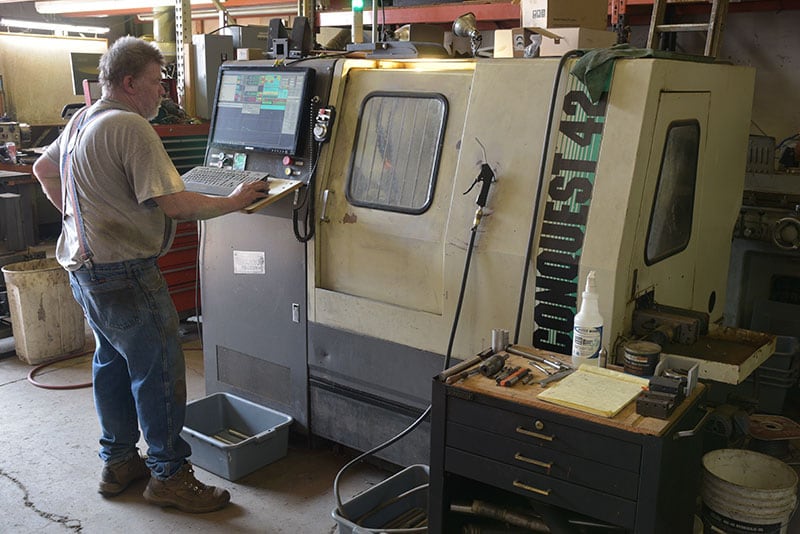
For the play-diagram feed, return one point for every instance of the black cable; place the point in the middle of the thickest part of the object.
(422, 417)
(542, 167)
(314, 149)
(197, 311)
(384, 32)
(322, 56)
(308, 218)
(461, 292)
(226, 26)
(339, 507)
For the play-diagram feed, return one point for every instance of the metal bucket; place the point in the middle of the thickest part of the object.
(747, 492)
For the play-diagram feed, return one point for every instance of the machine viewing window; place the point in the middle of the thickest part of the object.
(671, 220)
(260, 108)
(396, 152)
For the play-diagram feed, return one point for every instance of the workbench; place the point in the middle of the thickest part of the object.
(505, 445)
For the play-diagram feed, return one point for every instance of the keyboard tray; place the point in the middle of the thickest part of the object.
(278, 188)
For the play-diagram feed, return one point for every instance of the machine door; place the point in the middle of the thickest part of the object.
(668, 244)
(381, 246)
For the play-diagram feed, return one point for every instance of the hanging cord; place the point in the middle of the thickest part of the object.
(307, 200)
(32, 374)
(486, 177)
(540, 187)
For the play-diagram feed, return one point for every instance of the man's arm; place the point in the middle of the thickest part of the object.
(48, 175)
(187, 205)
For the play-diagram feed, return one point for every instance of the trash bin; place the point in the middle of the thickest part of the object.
(45, 319)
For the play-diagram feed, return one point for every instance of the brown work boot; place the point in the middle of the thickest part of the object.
(115, 478)
(183, 491)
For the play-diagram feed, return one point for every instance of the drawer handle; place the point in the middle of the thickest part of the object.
(521, 458)
(518, 484)
(532, 434)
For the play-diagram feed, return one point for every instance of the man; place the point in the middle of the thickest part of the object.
(120, 196)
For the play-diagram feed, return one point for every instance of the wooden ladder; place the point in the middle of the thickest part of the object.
(713, 28)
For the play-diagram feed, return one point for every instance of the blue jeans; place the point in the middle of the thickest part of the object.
(138, 369)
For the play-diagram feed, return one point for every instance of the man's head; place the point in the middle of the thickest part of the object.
(130, 71)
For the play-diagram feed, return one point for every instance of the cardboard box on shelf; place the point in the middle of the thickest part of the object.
(558, 41)
(565, 14)
(245, 54)
(511, 43)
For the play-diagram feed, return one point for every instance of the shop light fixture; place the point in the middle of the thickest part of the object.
(55, 7)
(144, 8)
(72, 7)
(272, 9)
(66, 28)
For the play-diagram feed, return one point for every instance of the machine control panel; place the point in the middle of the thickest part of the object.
(289, 167)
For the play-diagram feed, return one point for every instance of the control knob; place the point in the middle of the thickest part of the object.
(786, 233)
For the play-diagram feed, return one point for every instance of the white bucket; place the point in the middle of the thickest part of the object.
(45, 319)
(747, 492)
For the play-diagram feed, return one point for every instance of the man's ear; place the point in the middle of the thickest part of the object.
(128, 84)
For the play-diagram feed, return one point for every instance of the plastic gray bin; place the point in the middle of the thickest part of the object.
(232, 437)
(379, 506)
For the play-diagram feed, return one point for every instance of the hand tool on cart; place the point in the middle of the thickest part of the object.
(555, 364)
(544, 370)
(448, 375)
(555, 376)
(514, 377)
(492, 365)
(505, 373)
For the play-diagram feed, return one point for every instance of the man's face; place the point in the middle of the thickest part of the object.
(149, 91)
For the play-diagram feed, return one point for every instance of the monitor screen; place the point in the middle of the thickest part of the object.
(260, 108)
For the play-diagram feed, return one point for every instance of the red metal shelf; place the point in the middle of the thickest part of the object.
(428, 14)
(504, 12)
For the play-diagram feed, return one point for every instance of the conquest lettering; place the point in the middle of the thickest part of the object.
(566, 212)
(575, 99)
(556, 291)
(552, 340)
(563, 189)
(551, 264)
(562, 165)
(554, 317)
(564, 237)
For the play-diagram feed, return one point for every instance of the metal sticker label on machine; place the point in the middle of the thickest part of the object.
(249, 262)
(569, 195)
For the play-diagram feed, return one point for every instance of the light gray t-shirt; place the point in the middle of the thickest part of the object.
(119, 164)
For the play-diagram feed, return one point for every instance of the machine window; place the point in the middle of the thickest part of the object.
(671, 220)
(396, 153)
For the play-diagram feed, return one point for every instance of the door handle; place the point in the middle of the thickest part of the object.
(323, 216)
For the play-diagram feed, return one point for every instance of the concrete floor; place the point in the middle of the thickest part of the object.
(49, 469)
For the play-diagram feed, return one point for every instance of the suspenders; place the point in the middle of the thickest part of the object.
(68, 179)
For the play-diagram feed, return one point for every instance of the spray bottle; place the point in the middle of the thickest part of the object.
(587, 334)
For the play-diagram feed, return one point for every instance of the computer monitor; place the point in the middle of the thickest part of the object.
(260, 108)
